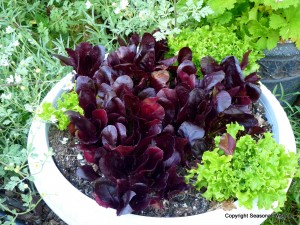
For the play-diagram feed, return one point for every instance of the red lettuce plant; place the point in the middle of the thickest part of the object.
(146, 116)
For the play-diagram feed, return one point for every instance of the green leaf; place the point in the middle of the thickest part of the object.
(273, 39)
(6, 122)
(257, 29)
(221, 8)
(252, 14)
(261, 43)
(233, 129)
(276, 21)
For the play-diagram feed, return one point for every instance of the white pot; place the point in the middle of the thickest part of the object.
(75, 208)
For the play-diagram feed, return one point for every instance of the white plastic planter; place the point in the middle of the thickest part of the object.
(75, 208)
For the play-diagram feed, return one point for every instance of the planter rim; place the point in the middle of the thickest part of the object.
(75, 208)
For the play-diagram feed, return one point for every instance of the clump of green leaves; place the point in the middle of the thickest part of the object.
(67, 101)
(256, 170)
(264, 22)
(216, 41)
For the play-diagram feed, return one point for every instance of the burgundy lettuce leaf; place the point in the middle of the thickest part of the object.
(104, 75)
(105, 192)
(141, 199)
(223, 101)
(85, 59)
(252, 78)
(187, 66)
(153, 127)
(100, 115)
(147, 93)
(211, 79)
(169, 108)
(233, 72)
(160, 79)
(168, 62)
(86, 131)
(175, 183)
(87, 172)
(184, 54)
(121, 83)
(149, 160)
(183, 92)
(91, 153)
(245, 60)
(112, 165)
(191, 131)
(145, 56)
(86, 91)
(209, 65)
(150, 109)
(126, 54)
(109, 135)
(122, 132)
(227, 144)
(253, 91)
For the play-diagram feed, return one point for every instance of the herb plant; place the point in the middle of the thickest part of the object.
(67, 101)
(264, 22)
(243, 168)
(145, 116)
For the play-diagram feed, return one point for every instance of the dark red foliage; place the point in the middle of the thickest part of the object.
(144, 116)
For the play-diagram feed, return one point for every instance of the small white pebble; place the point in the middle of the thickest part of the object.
(184, 205)
(64, 140)
(79, 157)
(194, 208)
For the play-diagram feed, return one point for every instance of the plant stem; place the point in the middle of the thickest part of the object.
(175, 13)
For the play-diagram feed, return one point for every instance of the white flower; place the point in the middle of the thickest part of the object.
(18, 78)
(123, 4)
(6, 96)
(4, 62)
(159, 36)
(68, 86)
(9, 30)
(117, 11)
(31, 41)
(88, 4)
(28, 107)
(53, 119)
(39, 110)
(143, 14)
(64, 140)
(37, 70)
(16, 43)
(10, 79)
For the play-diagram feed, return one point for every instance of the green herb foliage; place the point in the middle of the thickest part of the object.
(215, 41)
(264, 22)
(257, 170)
(67, 101)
